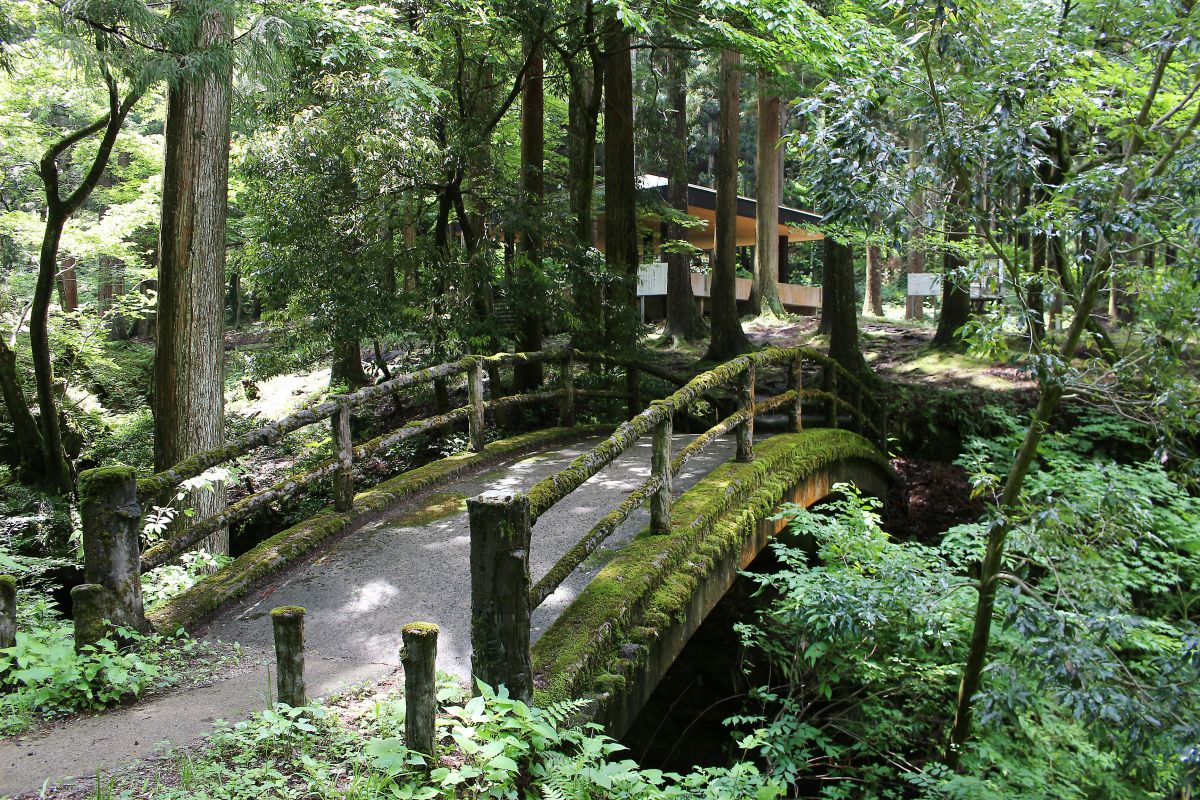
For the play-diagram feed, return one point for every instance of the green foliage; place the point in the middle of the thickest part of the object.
(489, 746)
(1095, 669)
(43, 676)
(161, 584)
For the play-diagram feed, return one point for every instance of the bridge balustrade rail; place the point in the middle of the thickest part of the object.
(501, 522)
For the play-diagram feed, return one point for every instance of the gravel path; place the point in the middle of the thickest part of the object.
(358, 594)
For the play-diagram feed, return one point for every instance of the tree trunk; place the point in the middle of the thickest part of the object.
(31, 456)
(839, 306)
(956, 295)
(530, 303)
(764, 290)
(58, 470)
(347, 367)
(914, 307)
(189, 406)
(873, 291)
(583, 112)
(683, 316)
(620, 210)
(728, 339)
(68, 286)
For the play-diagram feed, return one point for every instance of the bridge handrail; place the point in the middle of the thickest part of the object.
(340, 466)
(502, 594)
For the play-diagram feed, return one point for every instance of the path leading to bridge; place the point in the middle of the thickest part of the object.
(411, 564)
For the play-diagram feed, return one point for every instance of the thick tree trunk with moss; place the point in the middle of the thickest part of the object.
(768, 183)
(839, 307)
(31, 455)
(189, 404)
(683, 316)
(728, 339)
(530, 306)
(620, 209)
(347, 366)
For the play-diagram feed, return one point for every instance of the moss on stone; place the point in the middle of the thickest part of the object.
(8, 583)
(240, 577)
(650, 582)
(288, 612)
(431, 509)
(101, 481)
(421, 629)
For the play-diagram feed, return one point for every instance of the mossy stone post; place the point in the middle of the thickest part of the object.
(796, 381)
(500, 531)
(112, 556)
(8, 611)
(287, 623)
(745, 431)
(660, 467)
(343, 479)
(633, 387)
(566, 408)
(419, 657)
(475, 396)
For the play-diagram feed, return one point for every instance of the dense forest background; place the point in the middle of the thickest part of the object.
(214, 210)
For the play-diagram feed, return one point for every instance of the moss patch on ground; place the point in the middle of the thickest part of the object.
(650, 582)
(432, 508)
(239, 577)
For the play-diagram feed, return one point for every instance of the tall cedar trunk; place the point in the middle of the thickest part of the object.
(530, 306)
(31, 456)
(620, 213)
(764, 290)
(683, 315)
(914, 307)
(189, 406)
(956, 295)
(873, 291)
(728, 339)
(583, 113)
(839, 306)
(68, 285)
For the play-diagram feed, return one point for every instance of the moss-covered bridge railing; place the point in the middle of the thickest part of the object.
(113, 498)
(692, 547)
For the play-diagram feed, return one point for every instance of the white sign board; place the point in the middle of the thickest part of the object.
(652, 280)
(924, 284)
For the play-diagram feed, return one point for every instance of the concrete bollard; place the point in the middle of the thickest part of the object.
(475, 395)
(419, 657)
(112, 555)
(287, 623)
(660, 467)
(500, 531)
(796, 381)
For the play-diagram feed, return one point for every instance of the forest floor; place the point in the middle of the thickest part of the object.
(411, 565)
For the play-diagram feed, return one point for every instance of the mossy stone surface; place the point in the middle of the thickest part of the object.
(102, 482)
(650, 582)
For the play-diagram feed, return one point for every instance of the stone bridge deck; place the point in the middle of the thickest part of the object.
(411, 564)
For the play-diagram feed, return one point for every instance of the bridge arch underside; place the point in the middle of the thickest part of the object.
(617, 639)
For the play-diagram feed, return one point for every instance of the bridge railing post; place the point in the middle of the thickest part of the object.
(343, 479)
(745, 431)
(419, 657)
(660, 467)
(500, 533)
(8, 612)
(831, 404)
(796, 381)
(566, 407)
(287, 626)
(633, 387)
(475, 422)
(859, 426)
(112, 558)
